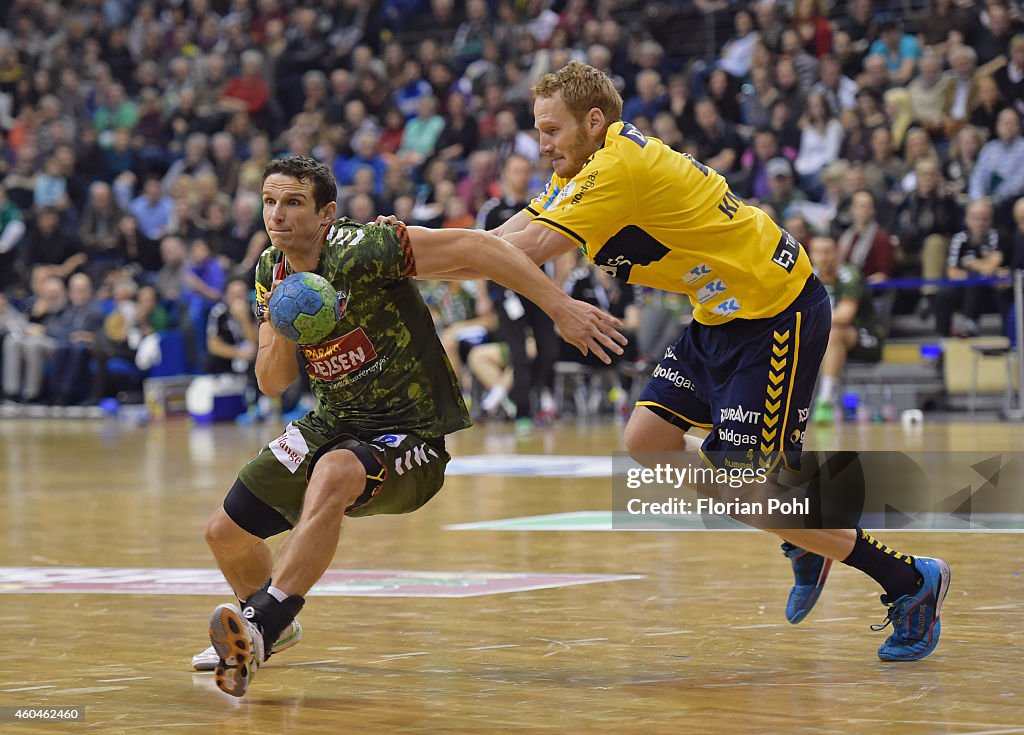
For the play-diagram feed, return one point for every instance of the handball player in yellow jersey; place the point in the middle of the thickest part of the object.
(745, 368)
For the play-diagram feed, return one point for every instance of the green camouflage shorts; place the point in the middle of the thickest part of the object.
(278, 475)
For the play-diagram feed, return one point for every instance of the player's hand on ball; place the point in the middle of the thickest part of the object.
(270, 293)
(589, 329)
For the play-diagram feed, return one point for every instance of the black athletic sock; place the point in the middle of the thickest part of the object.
(271, 616)
(894, 571)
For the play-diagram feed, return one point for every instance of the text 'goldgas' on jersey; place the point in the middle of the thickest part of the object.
(383, 368)
(659, 218)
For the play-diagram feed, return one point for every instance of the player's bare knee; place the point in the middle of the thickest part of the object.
(635, 431)
(213, 531)
(641, 440)
(632, 437)
(336, 483)
(223, 535)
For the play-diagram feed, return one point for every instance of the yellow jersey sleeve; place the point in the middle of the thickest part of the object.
(659, 218)
(588, 207)
(546, 199)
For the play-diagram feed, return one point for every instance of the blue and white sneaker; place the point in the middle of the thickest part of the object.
(915, 618)
(809, 571)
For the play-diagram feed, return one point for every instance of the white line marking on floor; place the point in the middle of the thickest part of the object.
(395, 656)
(314, 663)
(1011, 606)
(88, 690)
(832, 620)
(30, 689)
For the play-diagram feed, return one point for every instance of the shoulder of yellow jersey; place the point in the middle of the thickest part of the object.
(624, 139)
(625, 149)
(615, 158)
(618, 136)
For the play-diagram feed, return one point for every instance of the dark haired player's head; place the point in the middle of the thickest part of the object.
(299, 205)
(305, 169)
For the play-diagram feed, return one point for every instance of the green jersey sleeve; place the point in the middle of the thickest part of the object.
(364, 256)
(264, 279)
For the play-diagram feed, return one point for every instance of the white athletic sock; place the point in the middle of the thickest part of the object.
(493, 398)
(827, 394)
(277, 594)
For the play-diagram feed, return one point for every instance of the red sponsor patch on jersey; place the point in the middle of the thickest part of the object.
(331, 360)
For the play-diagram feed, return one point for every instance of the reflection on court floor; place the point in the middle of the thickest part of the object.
(532, 624)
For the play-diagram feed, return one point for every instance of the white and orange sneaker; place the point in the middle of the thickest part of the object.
(290, 636)
(239, 648)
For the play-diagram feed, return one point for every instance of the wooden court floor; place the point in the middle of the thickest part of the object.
(695, 643)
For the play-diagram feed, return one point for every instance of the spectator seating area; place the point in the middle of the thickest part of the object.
(133, 134)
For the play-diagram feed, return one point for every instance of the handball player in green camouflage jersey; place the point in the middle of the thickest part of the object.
(387, 398)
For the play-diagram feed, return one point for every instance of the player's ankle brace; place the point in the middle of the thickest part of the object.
(264, 588)
(272, 616)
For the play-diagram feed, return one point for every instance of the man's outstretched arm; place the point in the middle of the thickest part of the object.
(516, 223)
(440, 253)
(540, 243)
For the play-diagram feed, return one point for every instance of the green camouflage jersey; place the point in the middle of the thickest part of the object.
(382, 369)
(450, 302)
(849, 284)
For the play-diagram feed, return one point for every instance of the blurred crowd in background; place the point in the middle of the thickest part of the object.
(133, 135)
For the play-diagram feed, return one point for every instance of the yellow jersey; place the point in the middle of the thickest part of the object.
(655, 217)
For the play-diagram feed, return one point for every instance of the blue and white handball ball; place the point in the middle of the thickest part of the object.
(304, 308)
